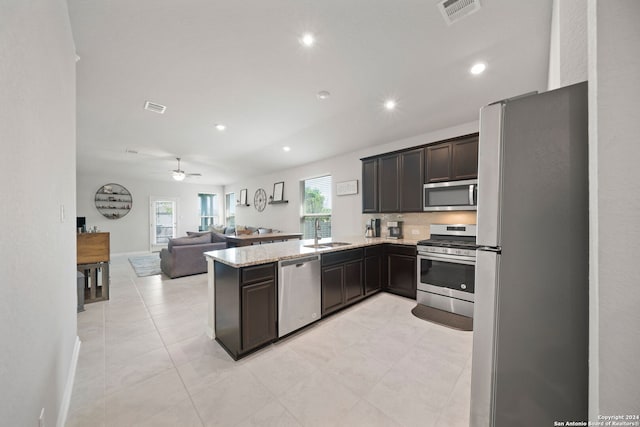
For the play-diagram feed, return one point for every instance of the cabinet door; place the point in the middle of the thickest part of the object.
(258, 314)
(402, 274)
(389, 180)
(332, 283)
(465, 159)
(372, 274)
(411, 180)
(370, 186)
(438, 163)
(353, 281)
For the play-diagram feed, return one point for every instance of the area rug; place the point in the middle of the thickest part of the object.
(444, 318)
(146, 265)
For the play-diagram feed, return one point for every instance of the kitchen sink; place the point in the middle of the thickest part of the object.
(327, 245)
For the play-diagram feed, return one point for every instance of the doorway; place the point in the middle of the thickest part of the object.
(163, 221)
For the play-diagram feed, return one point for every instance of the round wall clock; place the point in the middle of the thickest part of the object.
(260, 199)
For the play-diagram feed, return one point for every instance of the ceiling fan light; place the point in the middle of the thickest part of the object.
(178, 176)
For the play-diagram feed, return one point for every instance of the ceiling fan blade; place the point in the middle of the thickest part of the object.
(194, 174)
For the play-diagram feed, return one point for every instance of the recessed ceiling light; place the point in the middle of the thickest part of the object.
(307, 40)
(220, 127)
(286, 148)
(323, 94)
(390, 104)
(478, 68)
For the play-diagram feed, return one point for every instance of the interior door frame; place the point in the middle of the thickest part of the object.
(153, 247)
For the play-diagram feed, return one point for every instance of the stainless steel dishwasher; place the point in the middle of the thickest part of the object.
(299, 293)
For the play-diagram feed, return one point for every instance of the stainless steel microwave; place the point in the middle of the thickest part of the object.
(451, 196)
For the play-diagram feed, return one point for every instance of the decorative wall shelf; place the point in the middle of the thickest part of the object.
(113, 201)
(279, 202)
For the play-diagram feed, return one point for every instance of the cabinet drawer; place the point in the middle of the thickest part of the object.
(257, 273)
(402, 250)
(342, 256)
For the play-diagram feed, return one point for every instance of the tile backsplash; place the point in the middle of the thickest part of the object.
(417, 225)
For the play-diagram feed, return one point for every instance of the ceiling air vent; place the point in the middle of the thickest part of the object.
(454, 10)
(156, 108)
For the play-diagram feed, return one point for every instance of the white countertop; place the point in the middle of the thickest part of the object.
(273, 252)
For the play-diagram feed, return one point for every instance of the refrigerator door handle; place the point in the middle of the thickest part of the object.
(471, 192)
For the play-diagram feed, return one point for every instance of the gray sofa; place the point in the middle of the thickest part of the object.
(184, 255)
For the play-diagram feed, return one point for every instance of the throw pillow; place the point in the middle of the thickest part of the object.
(264, 230)
(217, 228)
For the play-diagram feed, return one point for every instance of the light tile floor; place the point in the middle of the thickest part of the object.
(146, 361)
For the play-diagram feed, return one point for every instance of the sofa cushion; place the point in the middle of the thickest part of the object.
(181, 241)
(199, 233)
(218, 237)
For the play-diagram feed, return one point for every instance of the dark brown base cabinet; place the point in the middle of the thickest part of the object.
(245, 307)
(373, 269)
(402, 270)
(341, 279)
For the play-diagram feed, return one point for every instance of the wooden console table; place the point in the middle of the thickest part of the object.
(93, 255)
(250, 239)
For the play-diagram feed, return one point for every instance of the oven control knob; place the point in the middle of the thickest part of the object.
(463, 286)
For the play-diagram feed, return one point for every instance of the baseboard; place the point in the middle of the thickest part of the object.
(210, 332)
(68, 388)
(129, 254)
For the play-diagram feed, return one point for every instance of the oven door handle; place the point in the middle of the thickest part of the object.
(452, 260)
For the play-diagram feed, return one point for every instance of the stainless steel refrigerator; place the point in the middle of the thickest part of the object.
(530, 343)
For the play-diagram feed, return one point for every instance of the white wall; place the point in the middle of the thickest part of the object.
(614, 105)
(346, 210)
(568, 49)
(131, 232)
(37, 250)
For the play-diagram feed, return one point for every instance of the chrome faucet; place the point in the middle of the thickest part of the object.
(316, 230)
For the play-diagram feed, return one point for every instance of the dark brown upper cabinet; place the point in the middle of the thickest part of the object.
(411, 173)
(388, 183)
(465, 159)
(393, 182)
(453, 160)
(370, 186)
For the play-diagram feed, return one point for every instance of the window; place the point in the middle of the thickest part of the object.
(316, 204)
(208, 210)
(230, 209)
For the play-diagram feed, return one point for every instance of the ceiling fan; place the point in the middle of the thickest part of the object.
(179, 174)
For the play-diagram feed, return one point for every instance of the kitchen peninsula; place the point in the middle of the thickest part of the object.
(243, 283)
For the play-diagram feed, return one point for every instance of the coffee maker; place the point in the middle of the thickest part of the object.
(373, 228)
(395, 229)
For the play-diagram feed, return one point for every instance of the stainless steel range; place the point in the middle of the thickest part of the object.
(446, 268)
